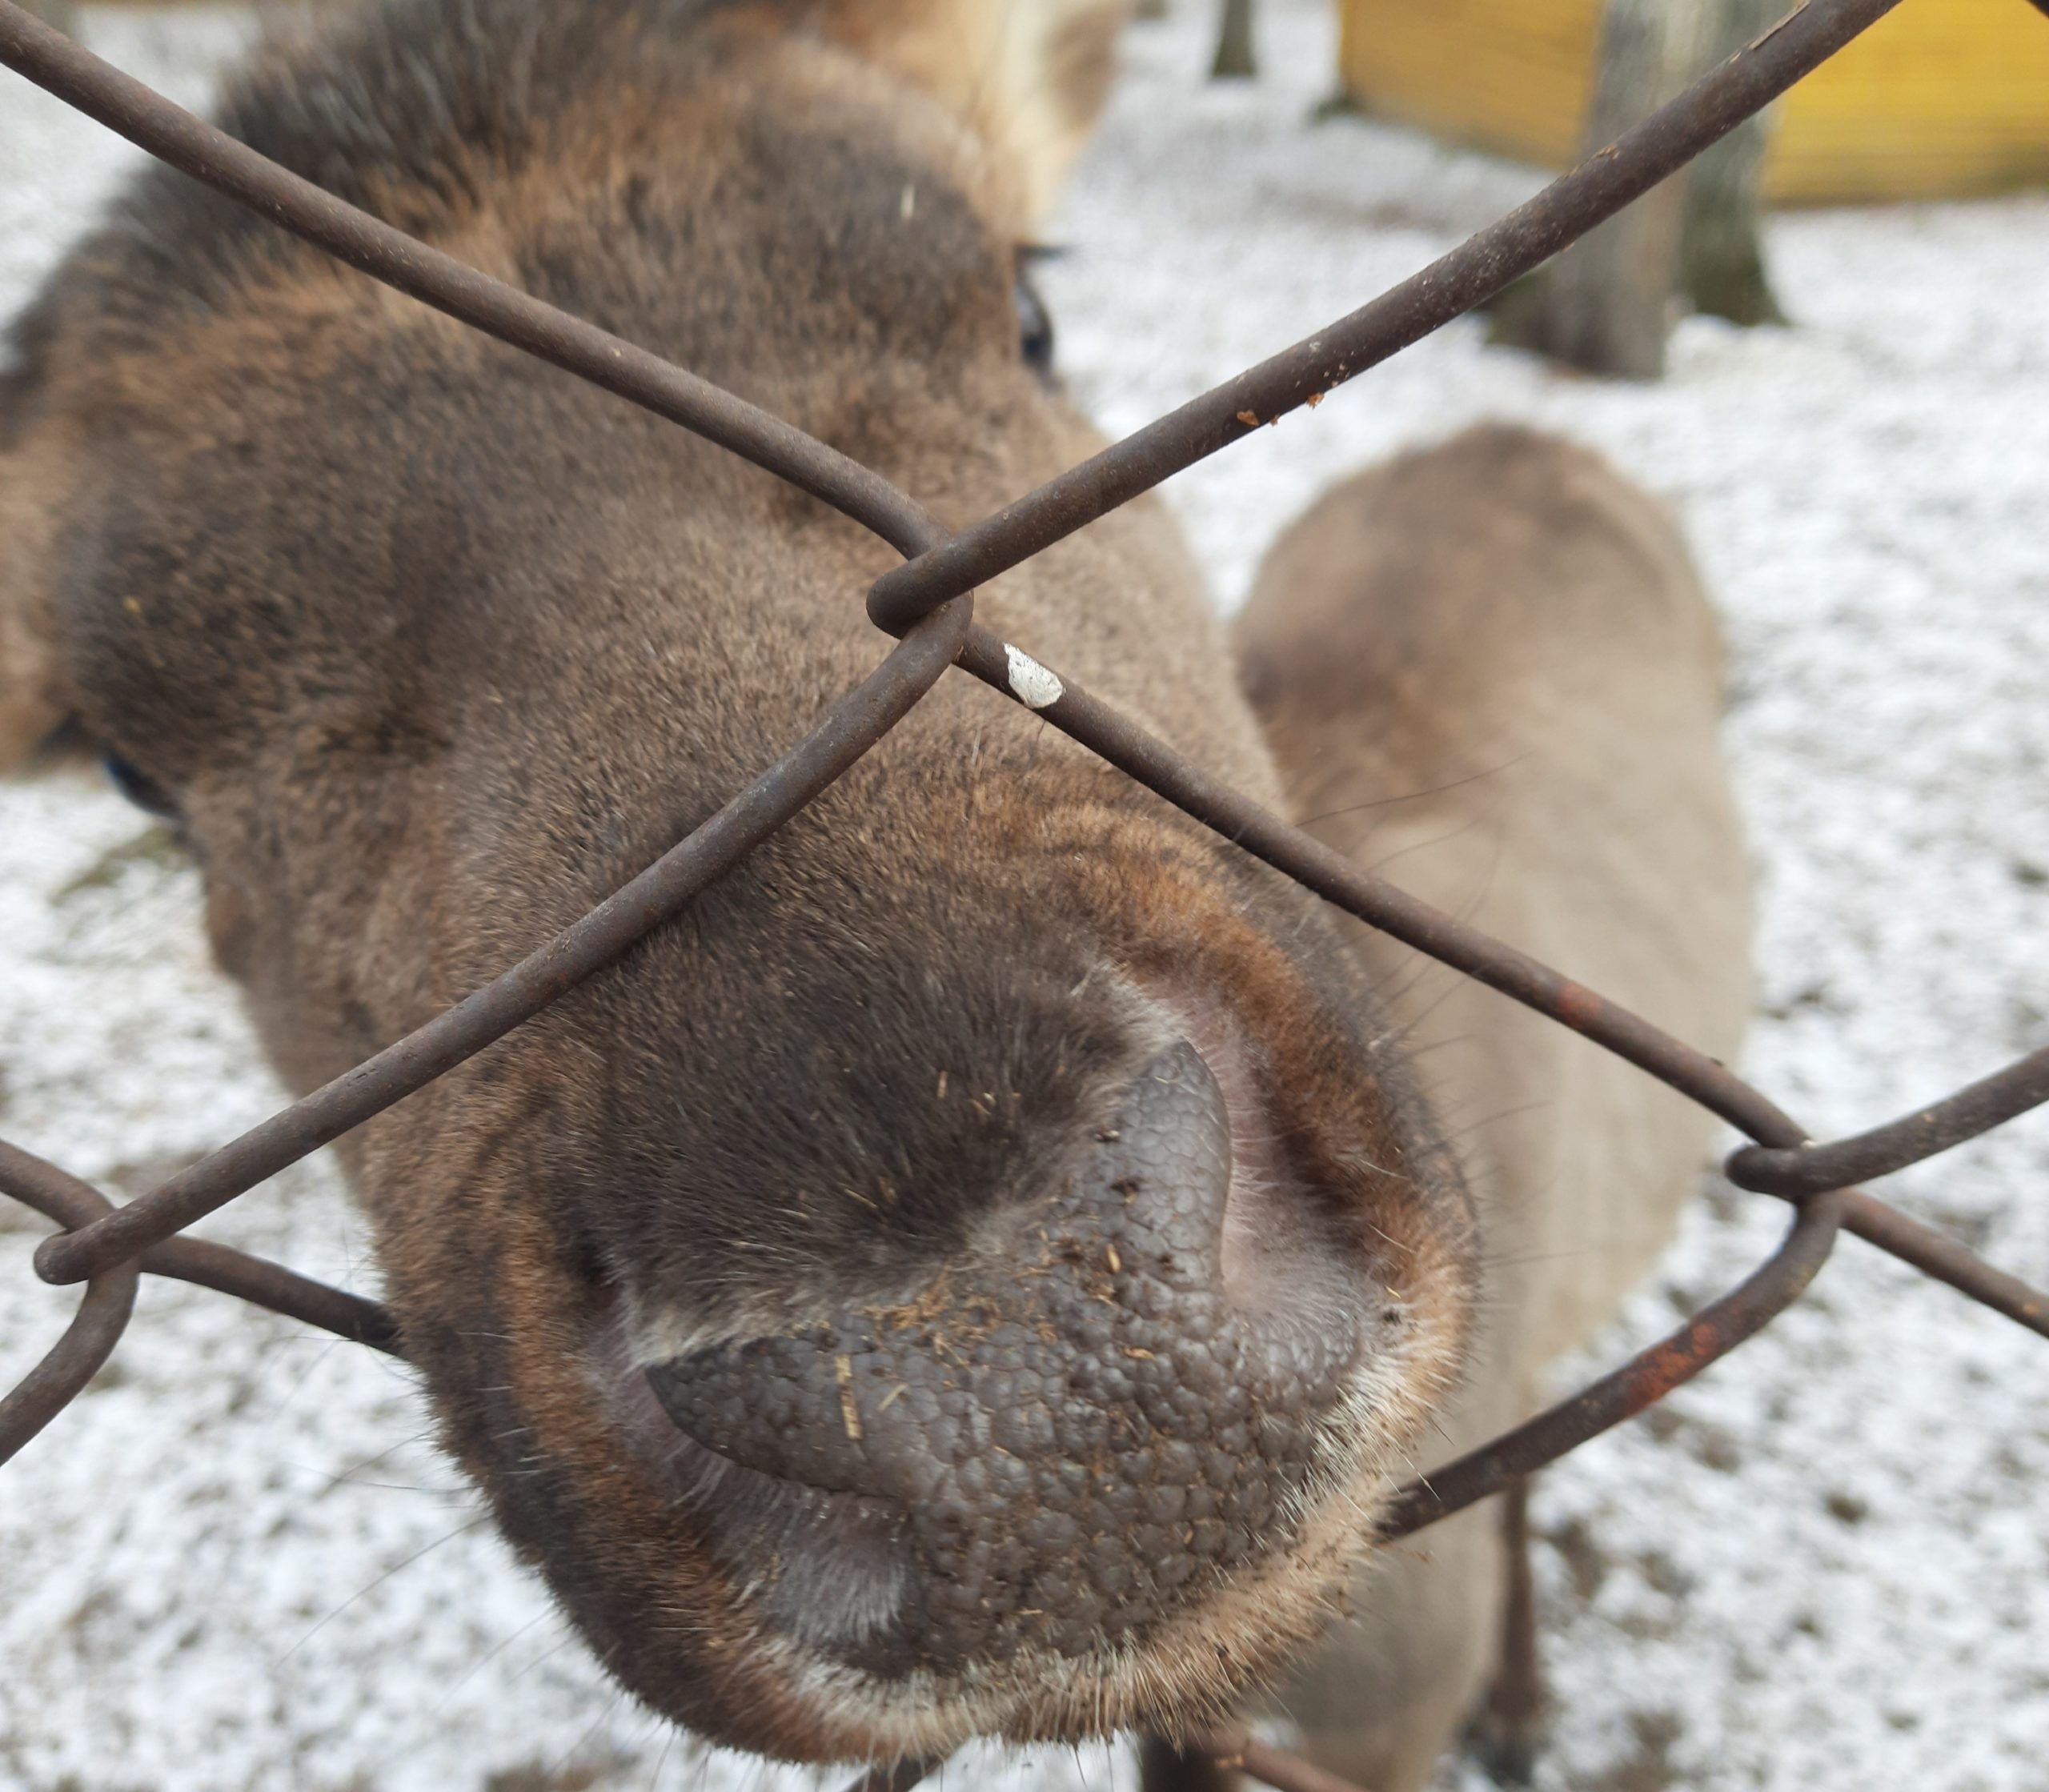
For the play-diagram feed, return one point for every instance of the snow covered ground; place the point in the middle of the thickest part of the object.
(236, 1565)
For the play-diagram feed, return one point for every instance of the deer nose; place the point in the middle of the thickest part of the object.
(1074, 1426)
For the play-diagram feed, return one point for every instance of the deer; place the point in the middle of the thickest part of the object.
(985, 1267)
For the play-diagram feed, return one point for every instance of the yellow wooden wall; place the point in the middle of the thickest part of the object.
(1940, 97)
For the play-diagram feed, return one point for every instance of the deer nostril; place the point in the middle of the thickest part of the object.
(1164, 1170)
(1080, 1427)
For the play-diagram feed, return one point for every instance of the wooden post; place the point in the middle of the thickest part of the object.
(58, 13)
(1721, 267)
(1605, 304)
(1235, 60)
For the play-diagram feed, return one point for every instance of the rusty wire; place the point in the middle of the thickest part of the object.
(927, 602)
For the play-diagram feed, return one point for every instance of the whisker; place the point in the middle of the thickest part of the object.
(448, 1536)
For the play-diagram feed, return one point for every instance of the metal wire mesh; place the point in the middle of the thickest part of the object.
(927, 603)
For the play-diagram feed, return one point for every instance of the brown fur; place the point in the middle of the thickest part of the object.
(430, 648)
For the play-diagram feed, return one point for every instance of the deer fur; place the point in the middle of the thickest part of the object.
(426, 647)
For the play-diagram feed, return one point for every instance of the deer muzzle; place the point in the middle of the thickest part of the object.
(1130, 1388)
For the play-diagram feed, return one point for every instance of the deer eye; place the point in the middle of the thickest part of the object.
(138, 787)
(1034, 327)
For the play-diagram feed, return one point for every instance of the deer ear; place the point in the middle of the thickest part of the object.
(1031, 76)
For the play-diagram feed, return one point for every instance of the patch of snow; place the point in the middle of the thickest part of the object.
(236, 1563)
